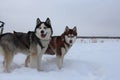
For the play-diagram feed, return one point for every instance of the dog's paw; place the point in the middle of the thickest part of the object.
(6, 71)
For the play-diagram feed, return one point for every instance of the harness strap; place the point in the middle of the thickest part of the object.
(67, 44)
(64, 39)
(32, 36)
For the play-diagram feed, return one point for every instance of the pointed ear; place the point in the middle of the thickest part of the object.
(48, 21)
(67, 28)
(14, 31)
(38, 21)
(75, 29)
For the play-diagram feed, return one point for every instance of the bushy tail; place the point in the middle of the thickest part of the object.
(1, 27)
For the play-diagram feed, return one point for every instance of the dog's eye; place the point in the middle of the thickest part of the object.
(70, 36)
(45, 27)
(39, 27)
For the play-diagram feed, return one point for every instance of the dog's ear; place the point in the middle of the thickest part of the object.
(38, 21)
(48, 21)
(14, 31)
(75, 29)
(67, 28)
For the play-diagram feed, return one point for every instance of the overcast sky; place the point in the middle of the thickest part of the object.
(92, 17)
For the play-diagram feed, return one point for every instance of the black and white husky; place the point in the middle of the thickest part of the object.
(34, 43)
(59, 45)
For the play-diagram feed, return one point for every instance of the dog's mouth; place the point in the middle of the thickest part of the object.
(43, 35)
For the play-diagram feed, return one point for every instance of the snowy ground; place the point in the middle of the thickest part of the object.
(84, 61)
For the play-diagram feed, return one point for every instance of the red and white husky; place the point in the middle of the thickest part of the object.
(59, 45)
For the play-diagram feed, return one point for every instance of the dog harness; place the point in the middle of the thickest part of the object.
(33, 37)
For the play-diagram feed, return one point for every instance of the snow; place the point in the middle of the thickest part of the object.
(84, 61)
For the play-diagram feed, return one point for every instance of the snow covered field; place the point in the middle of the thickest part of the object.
(84, 61)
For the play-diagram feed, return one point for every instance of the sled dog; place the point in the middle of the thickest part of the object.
(59, 45)
(34, 43)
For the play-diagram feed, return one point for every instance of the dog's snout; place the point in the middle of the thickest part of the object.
(71, 41)
(42, 31)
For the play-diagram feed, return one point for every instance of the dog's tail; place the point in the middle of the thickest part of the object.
(1, 27)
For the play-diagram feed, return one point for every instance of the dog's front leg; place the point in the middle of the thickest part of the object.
(59, 62)
(39, 57)
(39, 60)
(60, 57)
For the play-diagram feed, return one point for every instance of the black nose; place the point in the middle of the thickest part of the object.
(42, 31)
(71, 41)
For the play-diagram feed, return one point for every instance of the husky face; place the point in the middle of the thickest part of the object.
(70, 35)
(43, 30)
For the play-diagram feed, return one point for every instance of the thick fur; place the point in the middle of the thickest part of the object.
(59, 45)
(34, 43)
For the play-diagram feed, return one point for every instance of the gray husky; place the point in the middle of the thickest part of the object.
(34, 43)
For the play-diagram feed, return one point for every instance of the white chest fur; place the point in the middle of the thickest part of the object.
(45, 43)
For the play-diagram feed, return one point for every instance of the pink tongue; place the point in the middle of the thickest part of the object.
(43, 35)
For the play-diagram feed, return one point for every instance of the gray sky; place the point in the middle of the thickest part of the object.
(92, 17)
